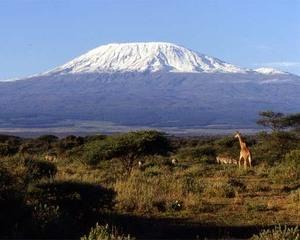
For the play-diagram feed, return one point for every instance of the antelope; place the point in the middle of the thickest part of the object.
(174, 161)
(226, 160)
(140, 164)
(52, 157)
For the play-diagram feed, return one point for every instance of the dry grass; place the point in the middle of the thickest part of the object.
(202, 192)
(247, 198)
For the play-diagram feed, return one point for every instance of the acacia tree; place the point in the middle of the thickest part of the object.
(127, 147)
(274, 120)
(293, 121)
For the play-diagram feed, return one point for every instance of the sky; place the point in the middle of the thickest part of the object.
(38, 35)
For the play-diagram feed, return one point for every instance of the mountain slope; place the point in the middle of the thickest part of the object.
(153, 84)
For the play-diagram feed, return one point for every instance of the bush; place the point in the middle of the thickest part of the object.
(204, 153)
(293, 158)
(128, 147)
(219, 189)
(237, 184)
(70, 142)
(271, 148)
(12, 204)
(278, 233)
(101, 232)
(48, 139)
(45, 215)
(295, 197)
(63, 209)
(94, 138)
(4, 149)
(34, 146)
(288, 170)
(37, 170)
(73, 198)
(228, 145)
(9, 147)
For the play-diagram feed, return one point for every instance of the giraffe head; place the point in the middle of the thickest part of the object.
(237, 134)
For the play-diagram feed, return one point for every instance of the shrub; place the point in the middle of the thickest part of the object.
(237, 184)
(128, 147)
(227, 142)
(94, 138)
(48, 139)
(8, 148)
(271, 148)
(288, 170)
(37, 170)
(104, 232)
(293, 158)
(73, 198)
(4, 149)
(45, 214)
(219, 189)
(204, 153)
(97, 151)
(34, 146)
(295, 196)
(227, 145)
(278, 233)
(70, 142)
(191, 184)
(62, 209)
(12, 203)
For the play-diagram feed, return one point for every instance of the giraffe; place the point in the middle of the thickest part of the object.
(245, 151)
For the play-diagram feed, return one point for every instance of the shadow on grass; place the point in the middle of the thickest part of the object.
(169, 228)
(67, 209)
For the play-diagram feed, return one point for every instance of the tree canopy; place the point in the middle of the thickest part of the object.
(128, 146)
(273, 120)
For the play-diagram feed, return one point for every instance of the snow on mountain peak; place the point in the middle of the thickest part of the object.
(269, 71)
(145, 56)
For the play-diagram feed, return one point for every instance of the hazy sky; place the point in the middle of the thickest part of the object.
(37, 35)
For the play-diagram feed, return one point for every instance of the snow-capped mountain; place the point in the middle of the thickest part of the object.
(141, 57)
(152, 84)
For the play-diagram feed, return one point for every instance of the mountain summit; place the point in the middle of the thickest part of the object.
(141, 57)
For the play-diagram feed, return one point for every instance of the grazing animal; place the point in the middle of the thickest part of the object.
(245, 153)
(174, 161)
(226, 160)
(140, 164)
(52, 157)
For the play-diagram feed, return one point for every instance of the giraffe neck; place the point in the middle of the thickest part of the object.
(241, 142)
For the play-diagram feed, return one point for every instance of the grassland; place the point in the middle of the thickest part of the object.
(98, 179)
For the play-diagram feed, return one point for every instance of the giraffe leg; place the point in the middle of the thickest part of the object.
(240, 161)
(245, 163)
(249, 158)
